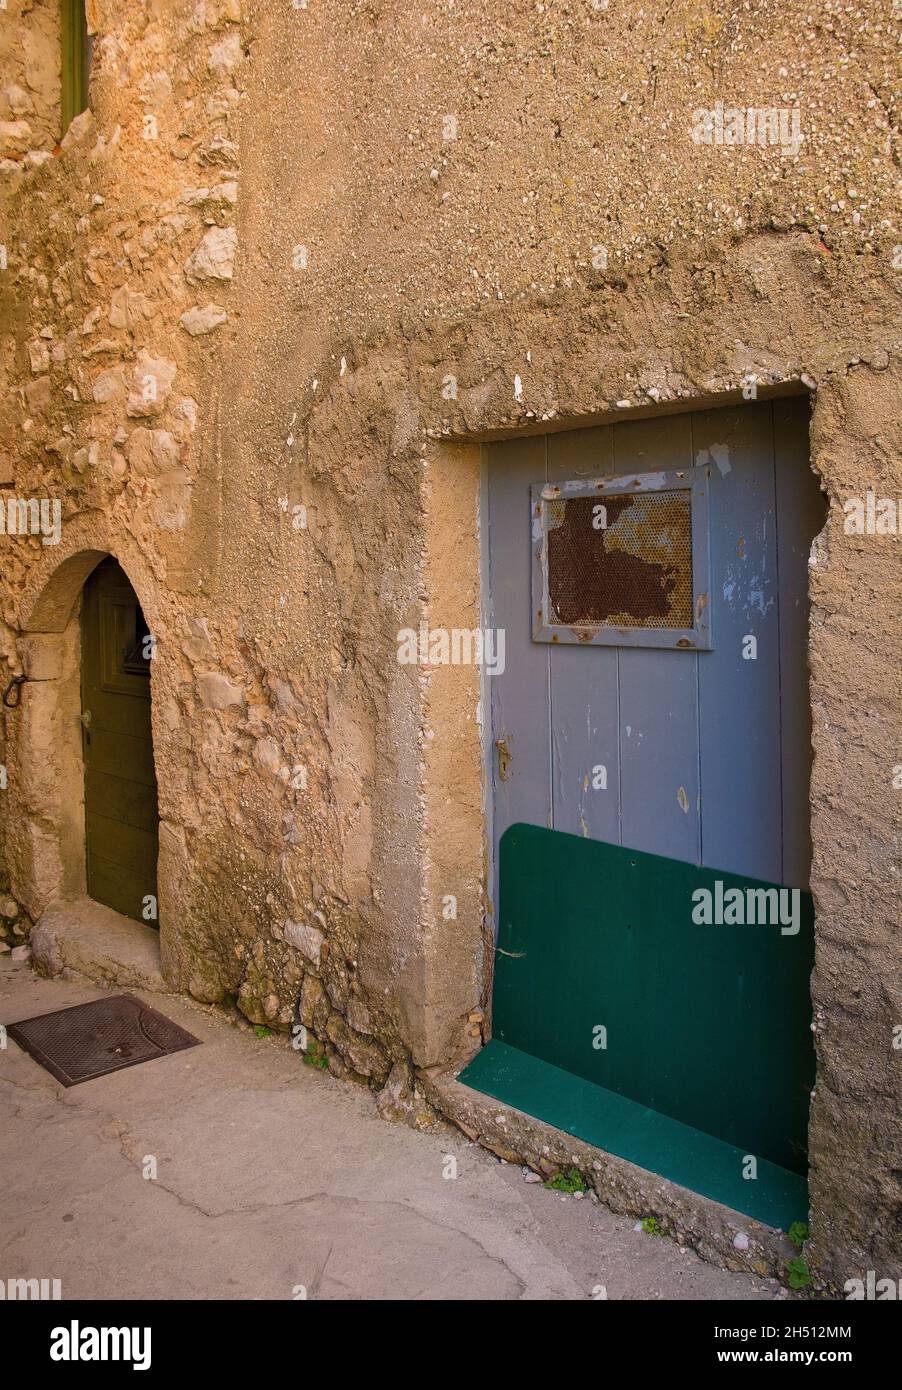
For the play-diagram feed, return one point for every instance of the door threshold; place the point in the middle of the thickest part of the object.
(93, 940)
(718, 1233)
(653, 1141)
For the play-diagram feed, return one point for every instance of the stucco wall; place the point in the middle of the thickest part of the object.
(394, 230)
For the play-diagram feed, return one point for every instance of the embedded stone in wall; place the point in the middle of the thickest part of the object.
(102, 345)
(170, 510)
(211, 13)
(366, 1058)
(284, 697)
(225, 55)
(17, 99)
(314, 1008)
(308, 940)
(250, 1005)
(15, 925)
(223, 193)
(399, 1100)
(151, 452)
(155, 89)
(359, 1017)
(184, 413)
(337, 983)
(151, 383)
(80, 127)
(37, 393)
(267, 756)
(86, 457)
(219, 151)
(38, 355)
(206, 988)
(127, 308)
(198, 646)
(214, 258)
(291, 830)
(15, 137)
(109, 386)
(199, 321)
(215, 692)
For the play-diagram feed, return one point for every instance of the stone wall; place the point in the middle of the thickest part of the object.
(264, 303)
(29, 72)
(15, 924)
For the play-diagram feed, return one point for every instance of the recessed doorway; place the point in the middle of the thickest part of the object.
(121, 817)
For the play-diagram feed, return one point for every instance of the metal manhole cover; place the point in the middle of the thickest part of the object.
(93, 1039)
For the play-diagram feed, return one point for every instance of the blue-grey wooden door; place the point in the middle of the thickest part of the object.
(703, 756)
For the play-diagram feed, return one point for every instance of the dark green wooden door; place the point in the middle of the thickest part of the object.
(120, 782)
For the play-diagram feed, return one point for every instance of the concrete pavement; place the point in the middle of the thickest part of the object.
(273, 1179)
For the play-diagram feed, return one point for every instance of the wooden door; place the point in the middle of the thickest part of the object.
(699, 755)
(653, 721)
(120, 781)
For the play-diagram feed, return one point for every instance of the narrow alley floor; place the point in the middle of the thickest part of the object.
(273, 1178)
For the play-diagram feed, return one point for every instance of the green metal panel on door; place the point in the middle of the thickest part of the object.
(121, 830)
(695, 1040)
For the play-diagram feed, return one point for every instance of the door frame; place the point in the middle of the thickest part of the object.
(445, 1021)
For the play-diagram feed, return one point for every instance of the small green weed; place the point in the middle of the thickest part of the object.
(571, 1181)
(798, 1233)
(797, 1273)
(313, 1058)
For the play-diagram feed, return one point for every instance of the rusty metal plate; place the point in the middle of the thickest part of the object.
(636, 571)
(91, 1040)
(622, 560)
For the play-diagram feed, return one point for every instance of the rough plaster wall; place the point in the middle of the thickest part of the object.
(457, 974)
(306, 832)
(472, 257)
(856, 1132)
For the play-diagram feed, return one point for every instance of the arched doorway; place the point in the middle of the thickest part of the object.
(120, 786)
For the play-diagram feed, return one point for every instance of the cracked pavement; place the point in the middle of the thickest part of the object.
(272, 1177)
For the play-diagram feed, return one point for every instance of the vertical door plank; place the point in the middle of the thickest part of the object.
(519, 695)
(584, 722)
(658, 691)
(801, 513)
(739, 698)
